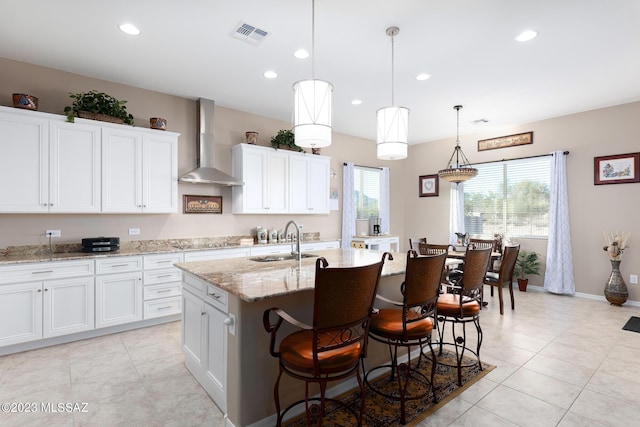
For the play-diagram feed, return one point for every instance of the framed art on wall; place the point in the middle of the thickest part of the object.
(202, 204)
(428, 185)
(618, 169)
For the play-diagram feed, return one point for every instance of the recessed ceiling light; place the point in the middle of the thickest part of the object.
(527, 35)
(129, 29)
(270, 74)
(422, 76)
(301, 54)
(356, 102)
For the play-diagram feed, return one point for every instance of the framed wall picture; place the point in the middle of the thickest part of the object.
(202, 204)
(428, 185)
(618, 169)
(505, 141)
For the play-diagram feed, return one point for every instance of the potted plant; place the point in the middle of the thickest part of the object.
(97, 106)
(527, 263)
(285, 139)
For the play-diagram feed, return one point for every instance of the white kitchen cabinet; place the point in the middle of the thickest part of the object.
(265, 173)
(162, 283)
(20, 313)
(377, 243)
(68, 306)
(119, 294)
(24, 161)
(139, 171)
(205, 326)
(44, 300)
(309, 184)
(74, 173)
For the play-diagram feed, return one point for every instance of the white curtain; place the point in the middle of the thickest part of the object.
(558, 277)
(384, 200)
(348, 206)
(456, 212)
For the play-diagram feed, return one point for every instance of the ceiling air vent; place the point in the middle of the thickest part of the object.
(249, 33)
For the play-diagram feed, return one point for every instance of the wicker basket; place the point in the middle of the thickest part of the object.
(100, 117)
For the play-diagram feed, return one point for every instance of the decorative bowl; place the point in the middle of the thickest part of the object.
(22, 100)
(158, 123)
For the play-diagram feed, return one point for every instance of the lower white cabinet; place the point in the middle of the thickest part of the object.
(43, 309)
(118, 298)
(162, 284)
(204, 337)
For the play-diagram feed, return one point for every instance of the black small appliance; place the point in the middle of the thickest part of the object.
(100, 244)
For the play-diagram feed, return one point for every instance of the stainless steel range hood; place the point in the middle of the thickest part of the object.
(205, 172)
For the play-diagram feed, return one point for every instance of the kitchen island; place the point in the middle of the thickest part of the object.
(225, 345)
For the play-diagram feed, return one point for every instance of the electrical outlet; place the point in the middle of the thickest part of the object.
(52, 233)
(633, 279)
(134, 231)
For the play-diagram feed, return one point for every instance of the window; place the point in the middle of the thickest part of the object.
(510, 197)
(366, 182)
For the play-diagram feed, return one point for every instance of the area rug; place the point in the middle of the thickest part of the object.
(633, 324)
(380, 411)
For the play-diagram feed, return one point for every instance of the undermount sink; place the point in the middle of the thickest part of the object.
(283, 257)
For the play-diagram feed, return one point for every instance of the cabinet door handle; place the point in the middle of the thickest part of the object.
(163, 291)
(46, 289)
(119, 265)
(164, 275)
(39, 290)
(203, 313)
(216, 296)
(164, 261)
(42, 272)
(165, 307)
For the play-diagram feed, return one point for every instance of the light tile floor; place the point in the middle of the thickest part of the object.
(561, 361)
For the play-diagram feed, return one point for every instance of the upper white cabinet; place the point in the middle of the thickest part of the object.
(309, 184)
(139, 172)
(279, 181)
(265, 173)
(24, 162)
(84, 167)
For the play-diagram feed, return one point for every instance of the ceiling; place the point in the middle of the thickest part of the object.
(587, 55)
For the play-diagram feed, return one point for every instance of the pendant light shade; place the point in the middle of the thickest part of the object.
(393, 122)
(463, 170)
(312, 110)
(312, 113)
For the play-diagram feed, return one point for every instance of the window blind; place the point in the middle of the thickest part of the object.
(367, 192)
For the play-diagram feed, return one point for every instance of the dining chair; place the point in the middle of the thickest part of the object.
(409, 325)
(436, 249)
(334, 345)
(487, 243)
(463, 306)
(504, 277)
(415, 241)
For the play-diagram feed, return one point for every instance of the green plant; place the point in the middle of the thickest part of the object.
(284, 138)
(97, 103)
(527, 263)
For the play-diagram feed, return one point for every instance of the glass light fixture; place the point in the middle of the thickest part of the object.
(393, 122)
(462, 171)
(312, 108)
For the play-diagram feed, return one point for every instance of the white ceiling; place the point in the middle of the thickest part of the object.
(587, 54)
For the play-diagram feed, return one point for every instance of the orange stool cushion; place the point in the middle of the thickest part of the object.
(387, 323)
(296, 353)
(449, 305)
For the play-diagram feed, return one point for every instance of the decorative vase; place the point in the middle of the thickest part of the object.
(615, 290)
(252, 137)
(158, 123)
(315, 150)
(522, 285)
(22, 100)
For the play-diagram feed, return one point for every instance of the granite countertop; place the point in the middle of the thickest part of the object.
(253, 281)
(66, 252)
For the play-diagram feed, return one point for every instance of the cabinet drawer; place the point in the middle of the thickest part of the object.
(194, 284)
(167, 275)
(161, 307)
(118, 265)
(161, 291)
(152, 262)
(45, 270)
(216, 297)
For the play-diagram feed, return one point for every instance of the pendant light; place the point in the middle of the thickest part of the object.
(462, 171)
(312, 105)
(393, 122)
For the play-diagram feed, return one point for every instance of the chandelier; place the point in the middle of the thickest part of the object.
(463, 169)
(312, 105)
(393, 122)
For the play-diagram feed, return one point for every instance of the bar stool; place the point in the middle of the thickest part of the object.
(410, 325)
(464, 305)
(334, 346)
